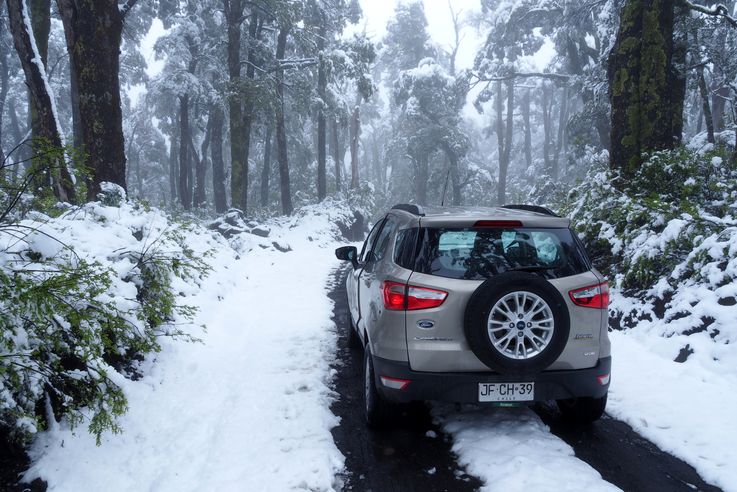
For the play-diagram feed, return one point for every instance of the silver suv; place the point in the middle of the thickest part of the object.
(497, 306)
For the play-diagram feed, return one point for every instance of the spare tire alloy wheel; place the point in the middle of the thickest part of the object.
(521, 325)
(517, 323)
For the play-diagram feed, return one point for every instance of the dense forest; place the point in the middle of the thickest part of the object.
(232, 114)
(264, 106)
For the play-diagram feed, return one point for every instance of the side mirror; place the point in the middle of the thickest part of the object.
(348, 253)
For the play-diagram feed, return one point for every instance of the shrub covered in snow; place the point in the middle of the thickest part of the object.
(668, 239)
(83, 297)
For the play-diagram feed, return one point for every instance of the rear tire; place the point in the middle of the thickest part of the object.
(354, 341)
(378, 410)
(582, 410)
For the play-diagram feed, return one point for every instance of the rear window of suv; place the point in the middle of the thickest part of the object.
(480, 253)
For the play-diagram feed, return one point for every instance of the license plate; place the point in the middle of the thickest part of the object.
(506, 391)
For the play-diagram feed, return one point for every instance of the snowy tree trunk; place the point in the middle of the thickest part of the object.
(561, 141)
(218, 164)
(281, 133)
(547, 107)
(321, 121)
(42, 98)
(93, 32)
(4, 88)
(528, 129)
(173, 171)
(40, 14)
(504, 136)
(185, 197)
(422, 163)
(355, 135)
(337, 158)
(200, 194)
(17, 136)
(266, 169)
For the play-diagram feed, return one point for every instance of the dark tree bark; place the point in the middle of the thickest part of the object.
(321, 121)
(646, 83)
(528, 129)
(185, 186)
(718, 101)
(355, 135)
(40, 12)
(266, 170)
(238, 158)
(705, 103)
(218, 164)
(336, 154)
(93, 33)
(281, 133)
(239, 186)
(35, 76)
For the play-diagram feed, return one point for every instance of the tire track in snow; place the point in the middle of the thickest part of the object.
(411, 456)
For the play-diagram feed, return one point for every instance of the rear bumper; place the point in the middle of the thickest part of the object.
(463, 387)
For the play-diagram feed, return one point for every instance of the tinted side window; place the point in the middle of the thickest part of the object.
(404, 248)
(383, 240)
(370, 241)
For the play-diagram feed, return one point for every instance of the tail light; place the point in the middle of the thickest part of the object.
(594, 296)
(398, 296)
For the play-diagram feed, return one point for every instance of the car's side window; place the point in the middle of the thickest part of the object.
(382, 242)
(368, 244)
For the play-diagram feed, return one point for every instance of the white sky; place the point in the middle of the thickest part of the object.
(376, 14)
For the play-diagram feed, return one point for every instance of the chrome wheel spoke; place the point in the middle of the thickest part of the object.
(520, 325)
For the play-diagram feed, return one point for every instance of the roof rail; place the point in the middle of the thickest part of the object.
(409, 207)
(532, 208)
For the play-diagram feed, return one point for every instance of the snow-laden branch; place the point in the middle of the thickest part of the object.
(526, 75)
(127, 7)
(719, 10)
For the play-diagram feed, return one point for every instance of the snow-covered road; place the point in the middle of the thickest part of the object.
(245, 410)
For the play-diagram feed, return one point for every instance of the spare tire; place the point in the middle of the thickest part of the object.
(517, 323)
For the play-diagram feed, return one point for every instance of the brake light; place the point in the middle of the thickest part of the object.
(398, 296)
(498, 223)
(594, 296)
(394, 295)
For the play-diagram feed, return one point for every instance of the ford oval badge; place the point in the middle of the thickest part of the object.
(426, 324)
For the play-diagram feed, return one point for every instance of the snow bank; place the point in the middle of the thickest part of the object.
(511, 449)
(686, 409)
(248, 409)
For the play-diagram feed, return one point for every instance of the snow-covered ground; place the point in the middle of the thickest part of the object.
(248, 409)
(686, 409)
(511, 449)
